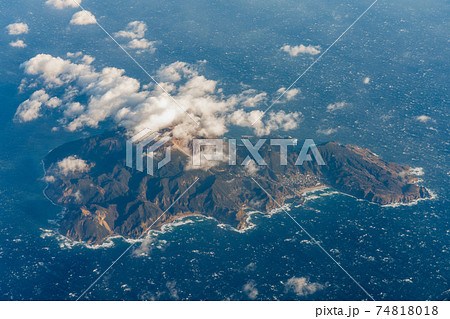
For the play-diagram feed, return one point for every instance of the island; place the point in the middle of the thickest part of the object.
(102, 197)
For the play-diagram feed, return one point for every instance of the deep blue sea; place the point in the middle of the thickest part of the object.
(395, 253)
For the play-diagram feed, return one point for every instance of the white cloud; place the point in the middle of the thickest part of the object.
(145, 247)
(87, 59)
(30, 109)
(74, 55)
(72, 164)
(56, 71)
(289, 95)
(276, 121)
(327, 131)
(111, 95)
(336, 106)
(17, 28)
(61, 4)
(296, 50)
(366, 80)
(251, 98)
(142, 45)
(301, 286)
(18, 44)
(252, 168)
(175, 71)
(83, 18)
(74, 109)
(250, 290)
(49, 178)
(79, 56)
(77, 196)
(134, 30)
(53, 103)
(423, 118)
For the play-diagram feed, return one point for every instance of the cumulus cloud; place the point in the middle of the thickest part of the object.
(30, 109)
(273, 121)
(49, 178)
(61, 4)
(142, 45)
(423, 118)
(327, 131)
(175, 71)
(288, 95)
(366, 80)
(250, 290)
(301, 286)
(251, 98)
(17, 28)
(73, 109)
(80, 57)
(252, 168)
(109, 94)
(18, 44)
(301, 49)
(83, 18)
(336, 106)
(134, 30)
(72, 164)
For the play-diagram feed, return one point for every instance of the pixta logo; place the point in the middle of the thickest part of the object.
(253, 149)
(142, 141)
(148, 142)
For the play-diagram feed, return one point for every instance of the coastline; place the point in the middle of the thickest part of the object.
(313, 189)
(180, 221)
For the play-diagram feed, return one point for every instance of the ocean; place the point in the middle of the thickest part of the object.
(395, 253)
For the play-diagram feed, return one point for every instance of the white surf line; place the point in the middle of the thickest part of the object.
(136, 62)
(129, 247)
(315, 61)
(316, 242)
(47, 185)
